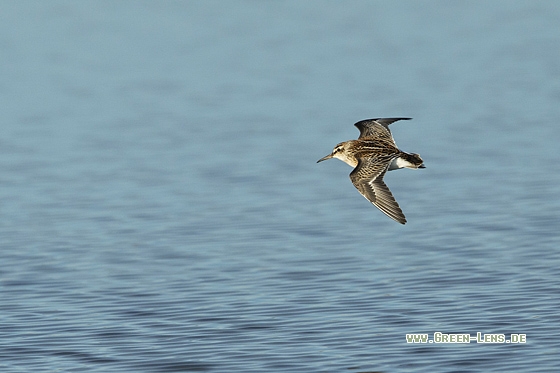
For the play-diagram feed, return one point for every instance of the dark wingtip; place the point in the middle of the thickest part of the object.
(394, 119)
(400, 220)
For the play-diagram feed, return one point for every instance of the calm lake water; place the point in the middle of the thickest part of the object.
(162, 210)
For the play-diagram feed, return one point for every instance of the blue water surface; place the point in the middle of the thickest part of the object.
(162, 211)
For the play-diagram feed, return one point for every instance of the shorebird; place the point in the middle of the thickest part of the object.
(372, 155)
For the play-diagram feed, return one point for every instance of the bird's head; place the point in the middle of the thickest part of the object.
(337, 152)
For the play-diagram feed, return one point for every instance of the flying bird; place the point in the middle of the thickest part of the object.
(372, 155)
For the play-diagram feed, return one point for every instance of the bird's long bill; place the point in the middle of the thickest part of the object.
(325, 158)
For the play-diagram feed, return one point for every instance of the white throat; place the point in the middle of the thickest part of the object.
(352, 162)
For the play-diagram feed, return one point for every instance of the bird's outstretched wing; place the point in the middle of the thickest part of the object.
(367, 177)
(378, 127)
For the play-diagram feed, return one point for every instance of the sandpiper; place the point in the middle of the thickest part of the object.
(372, 155)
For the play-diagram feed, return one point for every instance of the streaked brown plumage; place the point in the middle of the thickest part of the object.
(372, 155)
